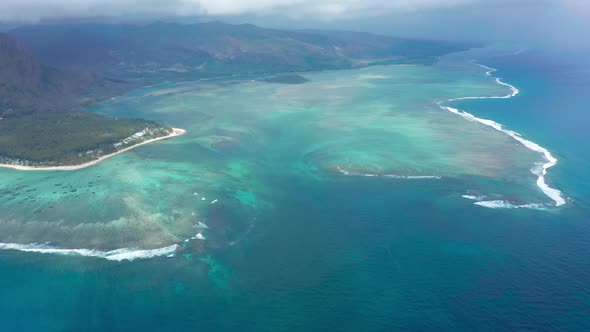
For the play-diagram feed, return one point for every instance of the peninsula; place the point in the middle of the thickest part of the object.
(138, 139)
(50, 73)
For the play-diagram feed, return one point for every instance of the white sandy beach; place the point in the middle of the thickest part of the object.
(175, 132)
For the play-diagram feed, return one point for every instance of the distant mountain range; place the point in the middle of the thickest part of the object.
(23, 80)
(216, 48)
(73, 65)
(39, 124)
(83, 63)
(26, 85)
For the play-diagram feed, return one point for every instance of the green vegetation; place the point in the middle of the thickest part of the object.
(39, 121)
(161, 51)
(53, 138)
(81, 64)
(28, 86)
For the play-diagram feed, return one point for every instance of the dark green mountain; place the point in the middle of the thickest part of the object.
(26, 85)
(217, 48)
(39, 123)
(83, 63)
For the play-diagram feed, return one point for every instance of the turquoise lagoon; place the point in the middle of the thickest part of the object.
(381, 122)
(345, 203)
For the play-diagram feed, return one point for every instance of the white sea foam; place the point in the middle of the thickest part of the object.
(412, 177)
(500, 204)
(112, 255)
(540, 172)
(343, 171)
(393, 176)
(214, 201)
(473, 197)
(197, 236)
(489, 71)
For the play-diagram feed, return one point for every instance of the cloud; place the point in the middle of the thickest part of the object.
(32, 10)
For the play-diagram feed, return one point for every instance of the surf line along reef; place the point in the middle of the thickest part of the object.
(540, 172)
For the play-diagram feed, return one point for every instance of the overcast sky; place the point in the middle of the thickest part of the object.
(556, 21)
(297, 9)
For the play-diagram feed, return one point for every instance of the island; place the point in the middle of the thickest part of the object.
(84, 139)
(41, 124)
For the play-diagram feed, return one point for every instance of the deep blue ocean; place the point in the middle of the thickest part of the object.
(359, 255)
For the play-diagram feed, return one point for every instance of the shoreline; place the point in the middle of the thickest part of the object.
(554, 194)
(175, 132)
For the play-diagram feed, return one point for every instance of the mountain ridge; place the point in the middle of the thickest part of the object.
(212, 48)
(71, 66)
(39, 121)
(28, 85)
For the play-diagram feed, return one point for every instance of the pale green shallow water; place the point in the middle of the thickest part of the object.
(380, 120)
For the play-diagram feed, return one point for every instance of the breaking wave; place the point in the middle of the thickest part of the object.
(111, 255)
(500, 204)
(540, 172)
(391, 176)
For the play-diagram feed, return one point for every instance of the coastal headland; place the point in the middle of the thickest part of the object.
(175, 132)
